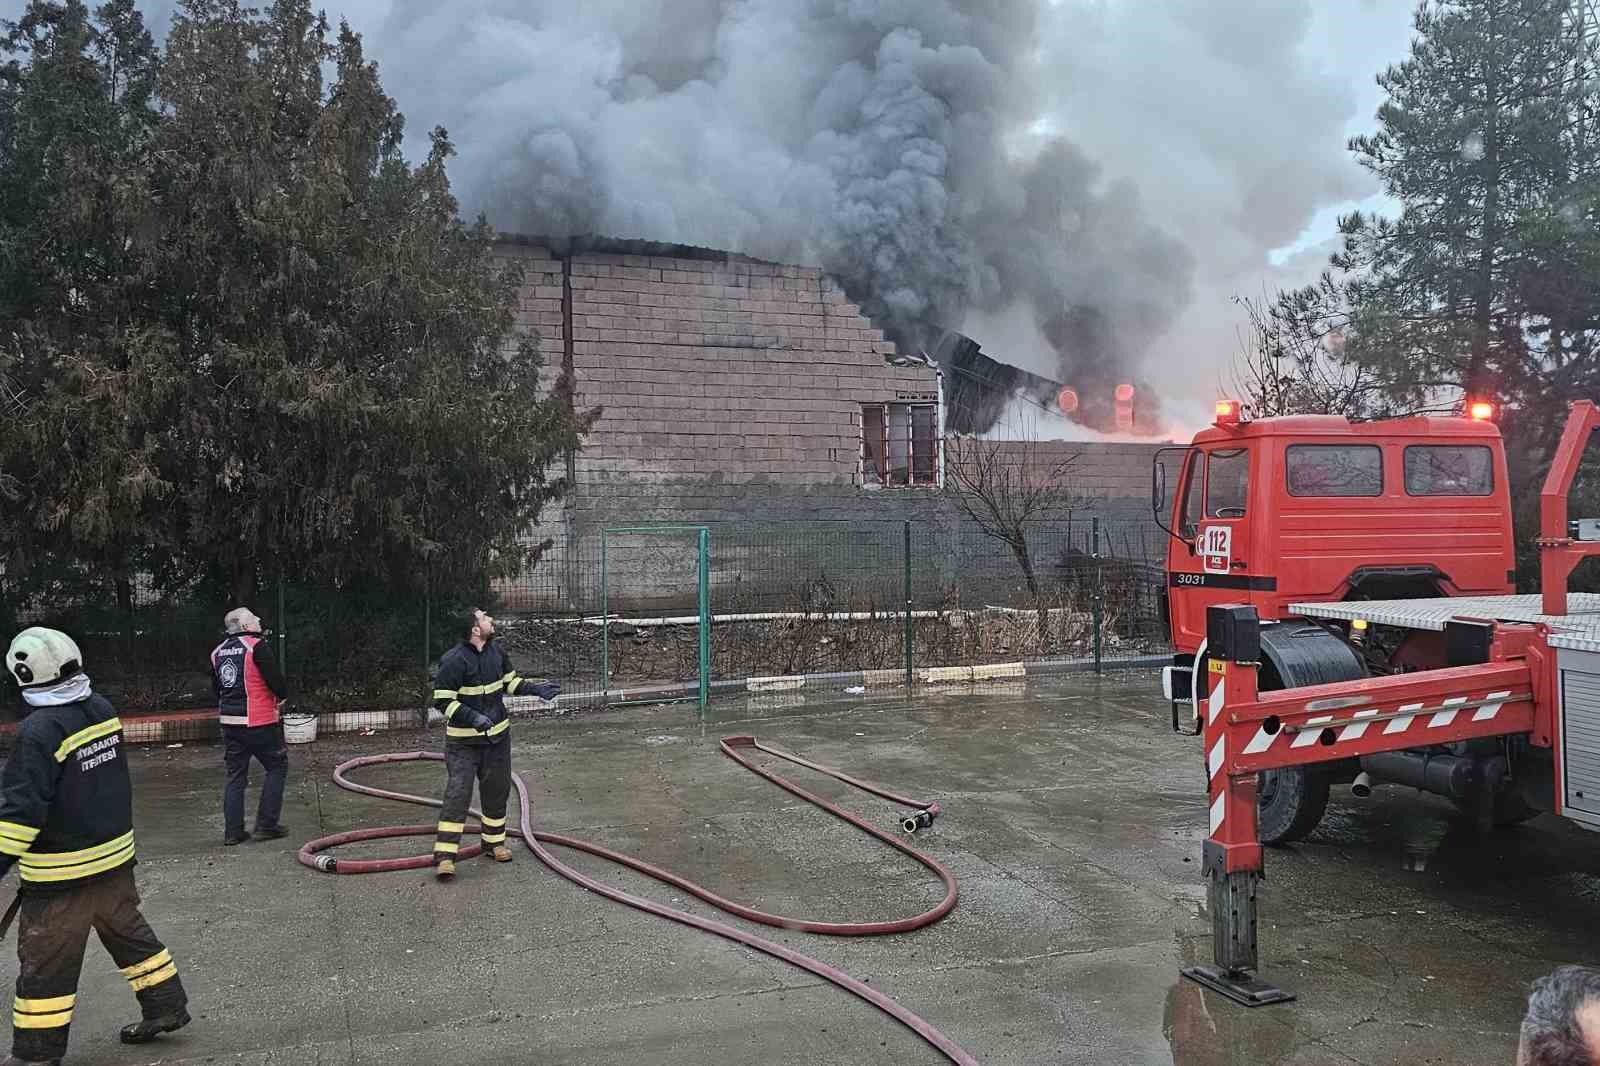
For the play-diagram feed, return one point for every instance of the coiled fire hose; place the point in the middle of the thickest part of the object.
(314, 855)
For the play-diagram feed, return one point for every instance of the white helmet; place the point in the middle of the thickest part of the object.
(42, 657)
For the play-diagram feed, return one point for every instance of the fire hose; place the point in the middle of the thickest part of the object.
(315, 855)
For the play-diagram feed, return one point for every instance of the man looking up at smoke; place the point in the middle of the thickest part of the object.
(470, 688)
(249, 688)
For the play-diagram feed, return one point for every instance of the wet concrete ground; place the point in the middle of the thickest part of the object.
(1073, 822)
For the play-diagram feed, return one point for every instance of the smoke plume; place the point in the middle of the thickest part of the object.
(886, 140)
(1042, 175)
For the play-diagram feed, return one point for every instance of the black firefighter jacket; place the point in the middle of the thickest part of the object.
(66, 804)
(471, 680)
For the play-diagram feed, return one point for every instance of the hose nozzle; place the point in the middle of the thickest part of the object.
(922, 819)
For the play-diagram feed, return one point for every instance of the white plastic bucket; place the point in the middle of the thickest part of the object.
(299, 728)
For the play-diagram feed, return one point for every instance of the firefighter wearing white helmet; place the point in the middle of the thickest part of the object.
(66, 820)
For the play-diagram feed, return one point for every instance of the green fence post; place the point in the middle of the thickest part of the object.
(909, 642)
(1099, 595)
(283, 630)
(705, 620)
(605, 620)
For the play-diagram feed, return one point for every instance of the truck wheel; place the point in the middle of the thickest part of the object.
(1289, 804)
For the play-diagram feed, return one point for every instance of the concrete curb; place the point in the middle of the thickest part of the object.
(865, 679)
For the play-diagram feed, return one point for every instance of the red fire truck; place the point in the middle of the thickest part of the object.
(1342, 610)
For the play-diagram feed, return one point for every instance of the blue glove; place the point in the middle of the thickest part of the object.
(545, 690)
(481, 722)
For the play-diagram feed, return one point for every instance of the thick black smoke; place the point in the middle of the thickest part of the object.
(888, 141)
(904, 144)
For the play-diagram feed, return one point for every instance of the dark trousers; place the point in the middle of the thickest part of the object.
(490, 766)
(52, 933)
(266, 745)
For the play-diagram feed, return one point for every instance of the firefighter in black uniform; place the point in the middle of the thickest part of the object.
(470, 688)
(66, 819)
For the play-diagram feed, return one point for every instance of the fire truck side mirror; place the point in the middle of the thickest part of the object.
(1158, 496)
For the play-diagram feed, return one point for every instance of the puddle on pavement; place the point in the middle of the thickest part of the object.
(1204, 1028)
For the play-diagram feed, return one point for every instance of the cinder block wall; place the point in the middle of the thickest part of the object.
(1094, 469)
(731, 392)
(733, 371)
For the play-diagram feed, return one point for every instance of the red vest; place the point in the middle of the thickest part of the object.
(243, 697)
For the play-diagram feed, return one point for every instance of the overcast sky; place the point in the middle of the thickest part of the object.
(1228, 118)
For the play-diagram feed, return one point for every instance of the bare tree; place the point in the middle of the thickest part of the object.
(1003, 486)
(1292, 355)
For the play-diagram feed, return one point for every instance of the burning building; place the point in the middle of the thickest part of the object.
(736, 391)
(983, 394)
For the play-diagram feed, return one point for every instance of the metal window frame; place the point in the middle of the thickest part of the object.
(883, 443)
(885, 478)
(911, 449)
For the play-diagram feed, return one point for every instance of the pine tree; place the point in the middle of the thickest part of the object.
(1487, 284)
(78, 478)
(260, 342)
(1472, 144)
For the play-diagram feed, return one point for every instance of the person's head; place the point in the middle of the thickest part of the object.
(240, 620)
(478, 626)
(39, 657)
(1562, 1026)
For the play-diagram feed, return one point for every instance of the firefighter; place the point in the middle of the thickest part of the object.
(66, 819)
(249, 690)
(473, 679)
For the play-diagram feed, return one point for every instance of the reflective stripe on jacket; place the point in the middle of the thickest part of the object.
(66, 804)
(472, 680)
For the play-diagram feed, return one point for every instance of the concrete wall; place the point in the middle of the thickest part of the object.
(731, 392)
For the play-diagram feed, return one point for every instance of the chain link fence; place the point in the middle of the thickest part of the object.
(616, 616)
(843, 607)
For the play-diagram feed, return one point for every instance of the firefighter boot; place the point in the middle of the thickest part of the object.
(12, 1060)
(142, 1032)
(445, 869)
(498, 852)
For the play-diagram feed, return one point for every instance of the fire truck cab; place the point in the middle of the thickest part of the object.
(1274, 512)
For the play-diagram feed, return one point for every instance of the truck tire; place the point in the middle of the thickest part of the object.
(1289, 804)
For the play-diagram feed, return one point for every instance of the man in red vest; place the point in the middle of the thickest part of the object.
(249, 687)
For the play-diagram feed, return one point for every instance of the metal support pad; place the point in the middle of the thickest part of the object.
(1239, 987)
(1232, 899)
